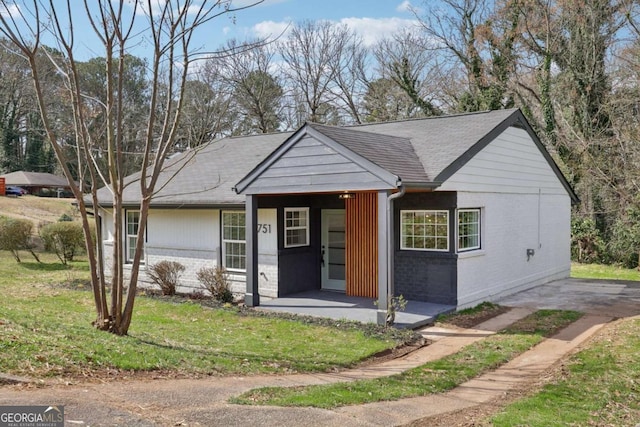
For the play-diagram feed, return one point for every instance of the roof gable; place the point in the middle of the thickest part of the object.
(320, 158)
(444, 144)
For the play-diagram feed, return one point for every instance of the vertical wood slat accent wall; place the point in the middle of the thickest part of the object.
(361, 217)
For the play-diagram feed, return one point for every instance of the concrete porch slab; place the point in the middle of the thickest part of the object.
(336, 305)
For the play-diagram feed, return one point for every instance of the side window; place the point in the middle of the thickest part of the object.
(234, 246)
(468, 229)
(132, 226)
(296, 227)
(424, 230)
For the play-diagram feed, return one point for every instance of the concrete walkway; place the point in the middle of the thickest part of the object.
(204, 402)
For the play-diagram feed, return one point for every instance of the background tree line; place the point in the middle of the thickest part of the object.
(572, 66)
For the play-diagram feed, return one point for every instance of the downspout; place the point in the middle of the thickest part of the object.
(391, 244)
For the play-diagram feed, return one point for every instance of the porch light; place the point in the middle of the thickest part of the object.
(345, 195)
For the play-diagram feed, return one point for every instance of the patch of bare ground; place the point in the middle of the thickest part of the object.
(472, 317)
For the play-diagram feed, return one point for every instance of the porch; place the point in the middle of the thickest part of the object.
(336, 305)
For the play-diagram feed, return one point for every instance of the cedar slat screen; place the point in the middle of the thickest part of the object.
(361, 255)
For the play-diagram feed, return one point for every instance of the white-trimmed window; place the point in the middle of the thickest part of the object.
(234, 245)
(132, 226)
(468, 229)
(424, 230)
(296, 227)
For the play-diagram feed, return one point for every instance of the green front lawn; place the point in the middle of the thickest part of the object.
(599, 386)
(433, 377)
(600, 271)
(45, 330)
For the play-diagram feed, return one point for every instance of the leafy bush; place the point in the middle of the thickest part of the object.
(623, 245)
(166, 274)
(216, 281)
(15, 235)
(65, 217)
(587, 245)
(65, 239)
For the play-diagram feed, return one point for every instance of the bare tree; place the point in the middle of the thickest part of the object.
(308, 53)
(169, 29)
(257, 92)
(207, 107)
(469, 34)
(350, 74)
(407, 60)
(386, 101)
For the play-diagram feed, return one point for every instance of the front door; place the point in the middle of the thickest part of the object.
(333, 250)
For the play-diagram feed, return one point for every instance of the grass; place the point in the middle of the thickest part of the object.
(37, 209)
(433, 377)
(45, 331)
(597, 386)
(600, 271)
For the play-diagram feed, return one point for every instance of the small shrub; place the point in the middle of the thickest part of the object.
(65, 239)
(166, 274)
(16, 235)
(216, 281)
(65, 217)
(586, 243)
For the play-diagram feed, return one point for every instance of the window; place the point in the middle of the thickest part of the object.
(424, 230)
(468, 229)
(234, 247)
(133, 224)
(296, 227)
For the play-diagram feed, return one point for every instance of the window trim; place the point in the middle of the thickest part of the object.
(432, 211)
(128, 258)
(472, 248)
(306, 227)
(223, 242)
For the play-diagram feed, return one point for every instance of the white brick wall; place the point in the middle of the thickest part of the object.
(511, 224)
(196, 243)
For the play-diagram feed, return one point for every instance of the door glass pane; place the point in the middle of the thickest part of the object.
(336, 248)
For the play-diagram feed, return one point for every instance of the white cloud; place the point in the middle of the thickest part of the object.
(373, 30)
(406, 6)
(271, 29)
(10, 11)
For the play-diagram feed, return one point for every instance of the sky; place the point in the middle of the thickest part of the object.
(372, 19)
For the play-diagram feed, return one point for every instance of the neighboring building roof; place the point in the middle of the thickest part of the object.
(419, 152)
(34, 179)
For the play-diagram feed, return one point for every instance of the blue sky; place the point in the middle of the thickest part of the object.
(372, 19)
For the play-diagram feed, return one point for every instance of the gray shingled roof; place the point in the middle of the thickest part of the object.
(419, 151)
(35, 179)
(440, 141)
(393, 153)
(208, 176)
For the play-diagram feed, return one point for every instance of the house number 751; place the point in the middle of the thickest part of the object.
(264, 228)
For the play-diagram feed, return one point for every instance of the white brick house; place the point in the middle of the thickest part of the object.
(453, 210)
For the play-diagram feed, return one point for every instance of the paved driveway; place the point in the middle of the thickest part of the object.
(615, 298)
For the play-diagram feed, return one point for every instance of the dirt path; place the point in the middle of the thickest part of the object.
(203, 402)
